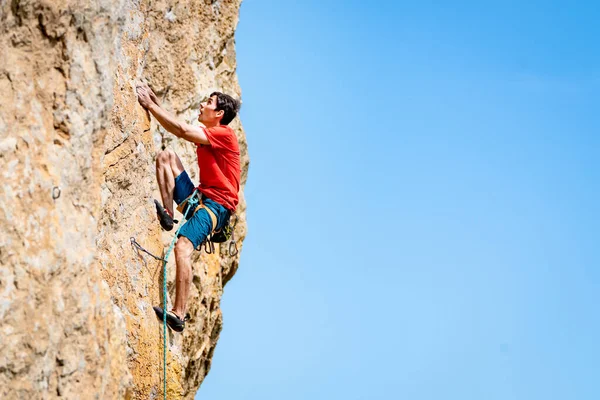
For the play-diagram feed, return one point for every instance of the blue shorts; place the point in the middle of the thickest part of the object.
(199, 226)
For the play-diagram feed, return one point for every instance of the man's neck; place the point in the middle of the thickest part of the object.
(209, 125)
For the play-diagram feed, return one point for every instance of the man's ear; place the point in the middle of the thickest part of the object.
(220, 113)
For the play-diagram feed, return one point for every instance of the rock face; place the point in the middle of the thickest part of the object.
(77, 157)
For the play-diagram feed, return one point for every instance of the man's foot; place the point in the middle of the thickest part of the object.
(166, 220)
(173, 321)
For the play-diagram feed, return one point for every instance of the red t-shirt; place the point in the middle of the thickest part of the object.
(219, 165)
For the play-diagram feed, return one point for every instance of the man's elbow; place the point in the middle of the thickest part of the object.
(186, 134)
(180, 133)
(195, 135)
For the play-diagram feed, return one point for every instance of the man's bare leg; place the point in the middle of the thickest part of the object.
(168, 167)
(183, 279)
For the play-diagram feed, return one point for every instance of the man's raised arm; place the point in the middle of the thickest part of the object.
(191, 133)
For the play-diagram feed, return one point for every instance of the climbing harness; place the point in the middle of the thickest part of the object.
(227, 232)
(192, 202)
(222, 235)
(195, 200)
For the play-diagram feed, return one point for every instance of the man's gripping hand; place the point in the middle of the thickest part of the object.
(146, 96)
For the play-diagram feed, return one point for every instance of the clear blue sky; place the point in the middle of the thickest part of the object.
(423, 203)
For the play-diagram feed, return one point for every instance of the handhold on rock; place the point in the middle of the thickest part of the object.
(55, 192)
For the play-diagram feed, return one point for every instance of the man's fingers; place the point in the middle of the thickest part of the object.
(141, 92)
(145, 94)
(142, 86)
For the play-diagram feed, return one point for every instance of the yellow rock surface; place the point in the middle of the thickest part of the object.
(77, 158)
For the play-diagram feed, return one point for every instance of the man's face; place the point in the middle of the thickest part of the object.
(208, 115)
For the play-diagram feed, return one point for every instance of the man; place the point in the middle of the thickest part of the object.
(219, 163)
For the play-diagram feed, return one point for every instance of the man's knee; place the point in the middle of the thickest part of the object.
(183, 247)
(165, 157)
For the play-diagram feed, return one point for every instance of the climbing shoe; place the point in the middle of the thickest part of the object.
(166, 220)
(173, 321)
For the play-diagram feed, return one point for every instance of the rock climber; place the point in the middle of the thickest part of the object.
(219, 163)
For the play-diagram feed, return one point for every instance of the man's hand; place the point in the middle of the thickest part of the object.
(143, 97)
(146, 96)
(152, 95)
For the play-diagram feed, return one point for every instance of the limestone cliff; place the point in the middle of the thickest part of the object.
(77, 157)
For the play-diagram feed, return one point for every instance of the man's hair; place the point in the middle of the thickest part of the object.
(228, 104)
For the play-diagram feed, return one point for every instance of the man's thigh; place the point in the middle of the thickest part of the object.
(197, 228)
(184, 187)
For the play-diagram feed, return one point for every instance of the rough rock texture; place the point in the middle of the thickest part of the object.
(77, 160)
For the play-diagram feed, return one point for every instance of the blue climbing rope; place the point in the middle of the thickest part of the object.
(192, 202)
